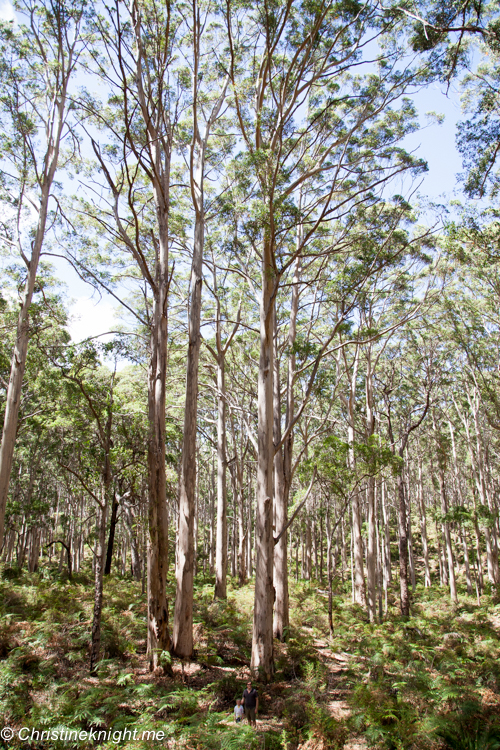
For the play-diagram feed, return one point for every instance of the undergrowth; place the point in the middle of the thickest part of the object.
(431, 682)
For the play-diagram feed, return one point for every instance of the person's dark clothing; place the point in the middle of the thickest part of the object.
(250, 698)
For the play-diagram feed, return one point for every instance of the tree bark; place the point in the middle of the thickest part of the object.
(371, 568)
(98, 585)
(221, 543)
(262, 640)
(157, 550)
(283, 465)
(111, 536)
(403, 549)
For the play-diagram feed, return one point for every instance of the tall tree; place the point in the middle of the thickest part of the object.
(202, 60)
(39, 58)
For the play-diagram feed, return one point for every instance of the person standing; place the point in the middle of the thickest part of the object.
(251, 704)
(239, 711)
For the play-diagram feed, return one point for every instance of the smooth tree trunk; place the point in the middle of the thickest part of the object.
(183, 616)
(157, 547)
(358, 574)
(403, 547)
(284, 466)
(242, 538)
(98, 585)
(444, 512)
(185, 562)
(447, 537)
(371, 553)
(387, 540)
(329, 569)
(371, 565)
(280, 563)
(221, 539)
(135, 557)
(411, 556)
(262, 661)
(357, 553)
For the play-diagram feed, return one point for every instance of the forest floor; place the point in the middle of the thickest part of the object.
(429, 682)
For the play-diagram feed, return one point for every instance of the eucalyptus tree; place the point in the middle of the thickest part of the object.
(132, 138)
(207, 100)
(307, 123)
(39, 57)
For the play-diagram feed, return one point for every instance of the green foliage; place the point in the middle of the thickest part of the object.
(385, 716)
(471, 727)
(182, 702)
(300, 656)
(241, 738)
(332, 731)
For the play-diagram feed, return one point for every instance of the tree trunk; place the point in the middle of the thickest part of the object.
(329, 568)
(157, 552)
(221, 543)
(262, 640)
(283, 464)
(403, 549)
(183, 616)
(34, 552)
(423, 525)
(466, 560)
(98, 584)
(358, 567)
(371, 569)
(447, 537)
(387, 541)
(242, 537)
(135, 557)
(111, 537)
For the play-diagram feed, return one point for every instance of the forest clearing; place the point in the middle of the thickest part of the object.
(264, 464)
